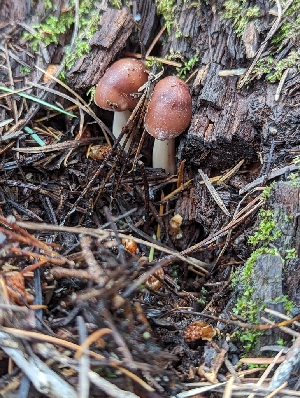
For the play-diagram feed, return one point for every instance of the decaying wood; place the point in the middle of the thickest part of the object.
(270, 280)
(230, 124)
(292, 280)
(267, 290)
(285, 206)
(115, 28)
(148, 26)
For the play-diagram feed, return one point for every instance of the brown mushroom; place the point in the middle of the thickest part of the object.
(115, 89)
(169, 113)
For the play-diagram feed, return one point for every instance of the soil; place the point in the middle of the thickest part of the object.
(116, 278)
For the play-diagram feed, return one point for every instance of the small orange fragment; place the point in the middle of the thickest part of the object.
(199, 330)
(51, 69)
(16, 287)
(130, 245)
(152, 282)
(98, 152)
(175, 226)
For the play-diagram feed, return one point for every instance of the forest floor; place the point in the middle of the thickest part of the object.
(112, 284)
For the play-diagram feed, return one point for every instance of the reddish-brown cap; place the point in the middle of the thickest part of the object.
(123, 78)
(170, 109)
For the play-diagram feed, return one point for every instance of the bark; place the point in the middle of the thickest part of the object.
(230, 124)
(115, 28)
(273, 276)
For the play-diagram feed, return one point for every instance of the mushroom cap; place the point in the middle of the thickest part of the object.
(122, 78)
(170, 109)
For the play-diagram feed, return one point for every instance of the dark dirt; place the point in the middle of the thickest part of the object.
(64, 216)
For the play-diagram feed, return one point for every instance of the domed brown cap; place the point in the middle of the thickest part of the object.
(123, 78)
(170, 109)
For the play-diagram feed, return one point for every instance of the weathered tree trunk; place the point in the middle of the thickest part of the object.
(115, 28)
(278, 275)
(228, 124)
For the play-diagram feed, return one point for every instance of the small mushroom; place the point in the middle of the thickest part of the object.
(115, 89)
(169, 113)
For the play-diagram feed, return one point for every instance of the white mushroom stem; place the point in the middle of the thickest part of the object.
(120, 121)
(164, 155)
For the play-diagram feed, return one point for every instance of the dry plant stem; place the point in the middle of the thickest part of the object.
(282, 327)
(63, 343)
(60, 273)
(228, 388)
(111, 389)
(240, 218)
(80, 102)
(15, 110)
(115, 230)
(84, 361)
(243, 79)
(230, 173)
(103, 234)
(90, 340)
(94, 269)
(279, 315)
(180, 174)
(120, 121)
(78, 136)
(232, 370)
(266, 373)
(213, 192)
(151, 58)
(155, 40)
(31, 240)
(122, 347)
(43, 378)
(241, 324)
(177, 190)
(277, 390)
(27, 253)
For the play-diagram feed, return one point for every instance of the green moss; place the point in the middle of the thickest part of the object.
(187, 67)
(116, 3)
(267, 191)
(239, 14)
(244, 279)
(50, 30)
(266, 231)
(245, 306)
(167, 9)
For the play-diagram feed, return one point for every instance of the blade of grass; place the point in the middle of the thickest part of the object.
(39, 101)
(34, 135)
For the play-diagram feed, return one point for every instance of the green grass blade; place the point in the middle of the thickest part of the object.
(39, 101)
(34, 135)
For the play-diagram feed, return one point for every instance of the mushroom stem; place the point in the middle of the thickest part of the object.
(164, 155)
(120, 121)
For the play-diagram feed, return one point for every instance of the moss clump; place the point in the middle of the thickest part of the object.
(239, 14)
(244, 278)
(50, 30)
(167, 9)
(187, 67)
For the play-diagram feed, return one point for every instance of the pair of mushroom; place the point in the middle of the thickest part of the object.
(169, 110)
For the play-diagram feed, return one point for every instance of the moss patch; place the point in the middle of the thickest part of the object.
(240, 13)
(50, 30)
